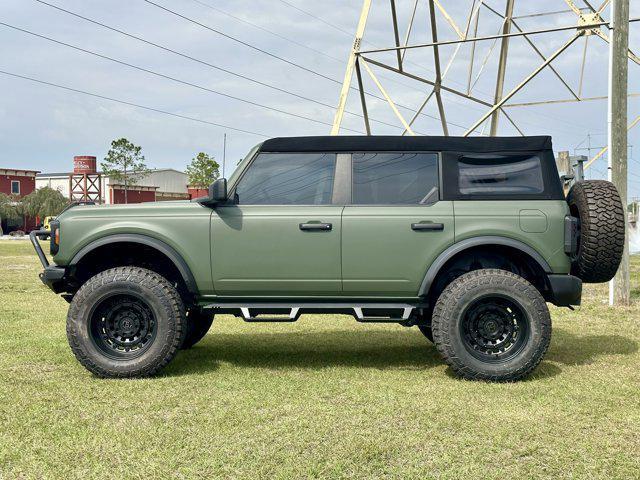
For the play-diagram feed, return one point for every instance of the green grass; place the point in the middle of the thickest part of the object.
(325, 398)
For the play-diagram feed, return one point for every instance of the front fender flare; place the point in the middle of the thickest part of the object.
(167, 250)
(458, 247)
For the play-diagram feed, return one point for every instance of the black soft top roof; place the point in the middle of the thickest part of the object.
(381, 143)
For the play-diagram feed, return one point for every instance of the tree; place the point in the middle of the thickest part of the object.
(8, 208)
(44, 202)
(124, 163)
(202, 170)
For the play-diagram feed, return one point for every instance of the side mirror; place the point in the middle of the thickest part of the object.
(218, 191)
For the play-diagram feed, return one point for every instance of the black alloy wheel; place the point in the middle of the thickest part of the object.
(122, 326)
(494, 329)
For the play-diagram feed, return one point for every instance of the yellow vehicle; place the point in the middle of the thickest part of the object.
(46, 226)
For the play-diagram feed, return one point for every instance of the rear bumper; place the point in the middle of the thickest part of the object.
(566, 290)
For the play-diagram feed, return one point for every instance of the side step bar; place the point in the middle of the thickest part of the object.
(281, 312)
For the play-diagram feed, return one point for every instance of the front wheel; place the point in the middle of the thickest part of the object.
(126, 322)
(491, 325)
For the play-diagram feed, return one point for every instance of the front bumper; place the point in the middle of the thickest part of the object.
(52, 276)
(566, 290)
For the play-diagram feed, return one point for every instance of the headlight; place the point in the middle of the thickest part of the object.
(55, 236)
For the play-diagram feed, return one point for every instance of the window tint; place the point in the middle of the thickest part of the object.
(288, 179)
(395, 178)
(500, 174)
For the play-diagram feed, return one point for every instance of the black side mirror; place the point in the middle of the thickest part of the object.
(218, 191)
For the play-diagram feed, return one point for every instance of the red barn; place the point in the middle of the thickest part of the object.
(135, 193)
(196, 192)
(17, 183)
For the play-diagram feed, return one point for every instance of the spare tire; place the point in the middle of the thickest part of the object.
(597, 205)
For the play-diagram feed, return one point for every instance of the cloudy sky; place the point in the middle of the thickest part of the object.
(292, 55)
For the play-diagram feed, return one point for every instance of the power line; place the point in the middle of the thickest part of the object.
(208, 64)
(168, 77)
(329, 24)
(271, 32)
(242, 42)
(320, 52)
(131, 104)
(289, 62)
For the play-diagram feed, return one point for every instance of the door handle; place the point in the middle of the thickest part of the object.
(320, 227)
(431, 227)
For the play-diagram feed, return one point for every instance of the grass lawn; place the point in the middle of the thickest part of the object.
(325, 397)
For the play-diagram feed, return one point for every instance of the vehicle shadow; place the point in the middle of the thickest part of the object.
(404, 349)
(315, 350)
(570, 349)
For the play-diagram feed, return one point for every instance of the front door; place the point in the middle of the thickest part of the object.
(282, 237)
(396, 224)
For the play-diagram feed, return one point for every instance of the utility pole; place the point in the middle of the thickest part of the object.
(619, 287)
(502, 65)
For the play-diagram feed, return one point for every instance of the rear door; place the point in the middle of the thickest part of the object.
(282, 237)
(396, 224)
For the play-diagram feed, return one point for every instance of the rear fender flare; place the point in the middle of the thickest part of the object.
(468, 243)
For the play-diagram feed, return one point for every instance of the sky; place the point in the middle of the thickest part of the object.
(293, 46)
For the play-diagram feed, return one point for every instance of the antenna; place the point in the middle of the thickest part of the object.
(224, 153)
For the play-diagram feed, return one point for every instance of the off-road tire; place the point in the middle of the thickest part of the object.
(198, 324)
(163, 301)
(601, 241)
(470, 289)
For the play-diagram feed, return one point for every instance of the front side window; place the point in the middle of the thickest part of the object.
(500, 175)
(395, 178)
(288, 179)
(15, 187)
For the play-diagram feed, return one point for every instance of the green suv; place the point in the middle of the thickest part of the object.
(465, 238)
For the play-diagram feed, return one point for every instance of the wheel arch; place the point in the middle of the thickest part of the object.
(160, 246)
(468, 245)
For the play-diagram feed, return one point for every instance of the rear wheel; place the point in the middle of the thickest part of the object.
(491, 325)
(126, 322)
(198, 324)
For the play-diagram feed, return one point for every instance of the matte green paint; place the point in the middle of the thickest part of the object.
(533, 221)
(182, 225)
(503, 218)
(260, 250)
(381, 254)
(371, 251)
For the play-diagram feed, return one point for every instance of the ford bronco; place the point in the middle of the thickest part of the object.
(465, 238)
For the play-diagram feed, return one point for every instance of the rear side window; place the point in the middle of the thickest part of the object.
(395, 178)
(500, 175)
(288, 179)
